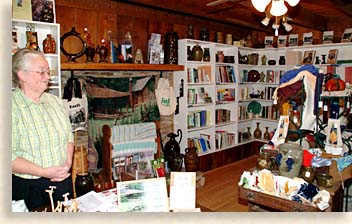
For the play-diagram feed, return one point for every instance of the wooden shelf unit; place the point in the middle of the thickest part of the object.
(120, 67)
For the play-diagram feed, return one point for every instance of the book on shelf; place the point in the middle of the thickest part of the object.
(225, 74)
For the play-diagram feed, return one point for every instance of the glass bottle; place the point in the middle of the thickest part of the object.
(49, 44)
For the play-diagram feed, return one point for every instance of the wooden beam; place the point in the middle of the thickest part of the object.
(303, 17)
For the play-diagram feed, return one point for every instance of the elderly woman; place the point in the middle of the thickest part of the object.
(42, 139)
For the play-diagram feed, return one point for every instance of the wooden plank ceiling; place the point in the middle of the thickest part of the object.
(312, 14)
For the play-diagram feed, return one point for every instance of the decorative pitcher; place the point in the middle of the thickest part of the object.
(172, 145)
(191, 159)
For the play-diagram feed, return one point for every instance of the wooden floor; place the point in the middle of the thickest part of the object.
(219, 194)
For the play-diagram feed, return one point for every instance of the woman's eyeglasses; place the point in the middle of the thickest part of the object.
(42, 73)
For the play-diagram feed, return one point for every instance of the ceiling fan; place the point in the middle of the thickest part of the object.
(218, 2)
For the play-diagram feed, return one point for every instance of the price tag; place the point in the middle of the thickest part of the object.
(320, 104)
(325, 108)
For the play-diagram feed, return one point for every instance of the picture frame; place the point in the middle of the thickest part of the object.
(308, 38)
(347, 35)
(293, 40)
(22, 9)
(269, 41)
(282, 41)
(308, 57)
(334, 142)
(328, 37)
(332, 56)
(147, 195)
(43, 10)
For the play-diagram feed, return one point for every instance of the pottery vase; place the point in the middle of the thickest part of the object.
(257, 132)
(228, 39)
(264, 59)
(90, 53)
(191, 159)
(83, 184)
(282, 60)
(289, 159)
(220, 56)
(249, 41)
(49, 44)
(189, 53)
(204, 34)
(266, 134)
(197, 53)
(249, 132)
(206, 55)
(219, 37)
(265, 161)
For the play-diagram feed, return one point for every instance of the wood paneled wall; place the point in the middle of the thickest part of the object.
(104, 15)
(101, 16)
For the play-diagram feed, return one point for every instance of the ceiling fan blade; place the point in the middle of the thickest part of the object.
(217, 2)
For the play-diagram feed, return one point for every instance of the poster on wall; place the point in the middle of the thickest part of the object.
(119, 101)
(22, 9)
(43, 10)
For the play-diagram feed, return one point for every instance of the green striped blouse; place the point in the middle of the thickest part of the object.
(40, 132)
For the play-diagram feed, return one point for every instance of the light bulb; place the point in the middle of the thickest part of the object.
(278, 8)
(292, 2)
(266, 21)
(260, 5)
(287, 26)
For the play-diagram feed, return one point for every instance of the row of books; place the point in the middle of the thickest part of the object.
(198, 95)
(267, 112)
(270, 112)
(225, 95)
(198, 118)
(225, 74)
(222, 116)
(201, 143)
(200, 74)
(224, 139)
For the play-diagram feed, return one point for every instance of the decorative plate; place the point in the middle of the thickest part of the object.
(254, 107)
(253, 76)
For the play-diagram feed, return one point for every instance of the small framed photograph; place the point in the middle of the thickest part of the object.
(22, 9)
(281, 41)
(308, 57)
(332, 56)
(308, 38)
(293, 40)
(43, 10)
(269, 41)
(328, 37)
(347, 35)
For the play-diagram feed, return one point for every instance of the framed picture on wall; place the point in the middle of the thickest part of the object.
(281, 41)
(328, 37)
(293, 40)
(43, 10)
(308, 38)
(22, 9)
(347, 35)
(308, 57)
(332, 56)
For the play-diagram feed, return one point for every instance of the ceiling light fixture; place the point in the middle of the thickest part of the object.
(277, 9)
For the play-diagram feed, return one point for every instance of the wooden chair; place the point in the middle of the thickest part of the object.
(108, 149)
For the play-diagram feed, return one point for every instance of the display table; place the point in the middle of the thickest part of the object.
(258, 201)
